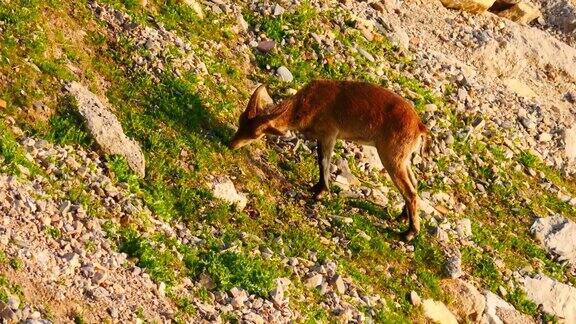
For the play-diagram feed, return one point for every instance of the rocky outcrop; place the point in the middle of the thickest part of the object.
(555, 297)
(557, 235)
(105, 128)
(526, 48)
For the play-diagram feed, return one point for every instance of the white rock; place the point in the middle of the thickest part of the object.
(314, 281)
(437, 312)
(106, 129)
(278, 10)
(285, 74)
(223, 188)
(364, 53)
(370, 156)
(498, 311)
(464, 228)
(415, 299)
(557, 234)
(556, 298)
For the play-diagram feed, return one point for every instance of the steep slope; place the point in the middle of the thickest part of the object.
(84, 237)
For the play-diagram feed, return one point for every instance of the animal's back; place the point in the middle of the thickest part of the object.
(357, 110)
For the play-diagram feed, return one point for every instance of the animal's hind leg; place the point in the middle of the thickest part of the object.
(402, 181)
(412, 177)
(396, 161)
(414, 182)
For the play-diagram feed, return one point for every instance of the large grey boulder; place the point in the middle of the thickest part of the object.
(105, 128)
(555, 297)
(557, 234)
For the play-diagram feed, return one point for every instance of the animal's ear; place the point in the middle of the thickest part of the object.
(259, 100)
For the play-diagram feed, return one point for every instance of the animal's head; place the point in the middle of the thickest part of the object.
(251, 124)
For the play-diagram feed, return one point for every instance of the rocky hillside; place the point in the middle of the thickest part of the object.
(120, 201)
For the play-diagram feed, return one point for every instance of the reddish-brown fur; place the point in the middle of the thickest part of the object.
(329, 110)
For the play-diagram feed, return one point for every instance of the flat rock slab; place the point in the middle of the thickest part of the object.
(498, 311)
(105, 128)
(556, 298)
(557, 234)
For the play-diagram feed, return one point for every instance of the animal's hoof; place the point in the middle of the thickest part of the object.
(409, 235)
(319, 191)
(321, 194)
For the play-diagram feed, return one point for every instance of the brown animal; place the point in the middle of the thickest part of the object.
(357, 111)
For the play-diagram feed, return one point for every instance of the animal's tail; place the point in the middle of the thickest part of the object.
(425, 147)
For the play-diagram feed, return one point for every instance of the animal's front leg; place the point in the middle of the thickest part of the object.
(324, 148)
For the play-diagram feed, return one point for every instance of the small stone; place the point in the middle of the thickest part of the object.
(544, 137)
(13, 302)
(162, 289)
(223, 188)
(242, 22)
(239, 297)
(363, 235)
(522, 12)
(253, 318)
(266, 46)
(339, 285)
(285, 74)
(415, 299)
(2, 104)
(314, 281)
(502, 291)
(467, 302)
(278, 10)
(364, 53)
(113, 312)
(464, 228)
(6, 313)
(99, 277)
(474, 6)
(343, 219)
(39, 105)
(206, 282)
(453, 266)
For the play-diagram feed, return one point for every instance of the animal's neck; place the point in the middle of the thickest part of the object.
(281, 114)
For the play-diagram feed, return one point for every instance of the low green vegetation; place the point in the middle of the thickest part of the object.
(183, 123)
